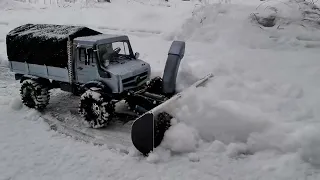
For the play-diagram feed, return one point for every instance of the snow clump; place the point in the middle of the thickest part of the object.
(16, 104)
(181, 138)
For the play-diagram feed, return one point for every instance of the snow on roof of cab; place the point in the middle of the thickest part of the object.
(100, 38)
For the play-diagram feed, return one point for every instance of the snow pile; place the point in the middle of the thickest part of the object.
(180, 138)
(159, 155)
(250, 116)
(257, 101)
(9, 5)
(131, 17)
(149, 2)
(216, 23)
(288, 13)
(237, 149)
(98, 3)
(294, 22)
(6, 4)
(287, 24)
(310, 144)
(216, 147)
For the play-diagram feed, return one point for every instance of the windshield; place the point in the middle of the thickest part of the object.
(113, 51)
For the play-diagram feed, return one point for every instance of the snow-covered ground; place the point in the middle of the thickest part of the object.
(258, 118)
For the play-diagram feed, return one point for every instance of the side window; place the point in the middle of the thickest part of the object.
(82, 55)
(86, 56)
(91, 57)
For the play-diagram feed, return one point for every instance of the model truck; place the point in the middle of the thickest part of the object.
(102, 68)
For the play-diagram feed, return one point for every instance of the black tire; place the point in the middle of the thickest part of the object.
(34, 94)
(95, 109)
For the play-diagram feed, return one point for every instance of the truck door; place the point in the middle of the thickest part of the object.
(86, 68)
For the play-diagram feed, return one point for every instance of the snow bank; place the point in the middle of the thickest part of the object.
(8, 4)
(257, 101)
(294, 23)
(132, 17)
(249, 117)
(288, 24)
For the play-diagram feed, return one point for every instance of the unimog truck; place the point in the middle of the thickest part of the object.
(101, 68)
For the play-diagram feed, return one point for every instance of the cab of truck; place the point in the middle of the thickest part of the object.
(109, 59)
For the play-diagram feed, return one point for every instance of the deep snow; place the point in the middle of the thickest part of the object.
(258, 118)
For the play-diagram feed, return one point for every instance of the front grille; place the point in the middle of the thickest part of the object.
(134, 80)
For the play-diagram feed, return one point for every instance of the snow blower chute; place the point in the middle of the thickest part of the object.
(148, 129)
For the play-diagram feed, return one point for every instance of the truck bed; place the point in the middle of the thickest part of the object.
(48, 72)
(43, 44)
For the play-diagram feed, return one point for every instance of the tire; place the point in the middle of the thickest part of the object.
(34, 94)
(95, 109)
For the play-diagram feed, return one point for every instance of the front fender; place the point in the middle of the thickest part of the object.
(103, 87)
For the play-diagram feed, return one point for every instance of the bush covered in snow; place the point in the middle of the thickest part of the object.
(292, 12)
(62, 1)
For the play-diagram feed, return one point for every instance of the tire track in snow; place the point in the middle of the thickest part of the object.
(112, 142)
(61, 117)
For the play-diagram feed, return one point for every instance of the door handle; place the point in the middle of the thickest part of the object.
(80, 68)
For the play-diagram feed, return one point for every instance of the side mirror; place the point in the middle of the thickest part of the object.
(136, 55)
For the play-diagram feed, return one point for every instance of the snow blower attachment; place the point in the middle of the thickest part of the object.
(148, 130)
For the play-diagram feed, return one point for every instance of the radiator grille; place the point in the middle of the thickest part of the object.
(134, 80)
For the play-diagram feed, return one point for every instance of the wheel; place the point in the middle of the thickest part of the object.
(95, 109)
(161, 125)
(34, 94)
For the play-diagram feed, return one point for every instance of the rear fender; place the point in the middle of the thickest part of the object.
(43, 81)
(25, 77)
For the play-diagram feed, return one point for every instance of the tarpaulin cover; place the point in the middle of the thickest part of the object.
(43, 44)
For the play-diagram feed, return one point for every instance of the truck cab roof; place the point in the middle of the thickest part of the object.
(100, 39)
